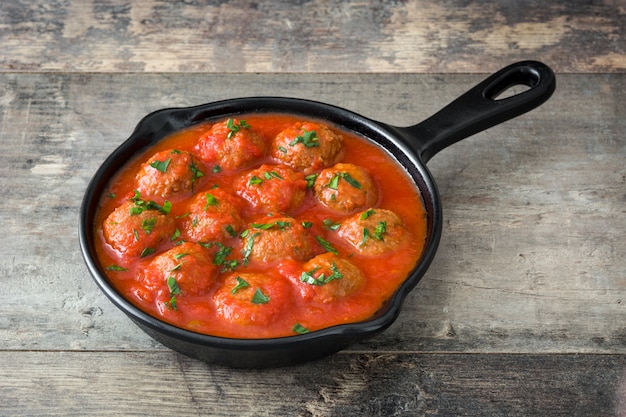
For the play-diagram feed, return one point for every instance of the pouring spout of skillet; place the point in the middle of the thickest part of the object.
(480, 108)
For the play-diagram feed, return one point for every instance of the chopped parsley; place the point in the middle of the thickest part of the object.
(230, 230)
(174, 291)
(210, 201)
(142, 205)
(254, 180)
(272, 174)
(235, 127)
(241, 284)
(378, 233)
(329, 224)
(161, 166)
(310, 180)
(300, 329)
(221, 256)
(333, 184)
(366, 214)
(195, 173)
(259, 297)
(308, 138)
(326, 245)
(247, 251)
(148, 224)
(146, 252)
(309, 276)
(116, 268)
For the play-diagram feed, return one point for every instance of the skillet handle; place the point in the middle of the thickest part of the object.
(479, 108)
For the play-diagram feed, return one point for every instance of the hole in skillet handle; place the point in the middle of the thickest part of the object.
(487, 104)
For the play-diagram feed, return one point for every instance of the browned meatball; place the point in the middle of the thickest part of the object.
(211, 216)
(272, 188)
(275, 238)
(307, 147)
(169, 173)
(252, 298)
(184, 269)
(374, 231)
(346, 188)
(328, 277)
(231, 144)
(138, 227)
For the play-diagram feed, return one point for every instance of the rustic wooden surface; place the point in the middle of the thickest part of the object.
(523, 312)
(310, 36)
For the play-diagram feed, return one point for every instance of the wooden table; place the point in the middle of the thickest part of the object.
(523, 312)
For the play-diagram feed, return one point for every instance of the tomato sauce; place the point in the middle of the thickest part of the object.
(242, 296)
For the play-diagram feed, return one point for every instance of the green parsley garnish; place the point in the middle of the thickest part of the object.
(326, 245)
(235, 127)
(247, 251)
(210, 201)
(141, 205)
(308, 139)
(254, 180)
(380, 231)
(173, 286)
(116, 268)
(329, 224)
(300, 329)
(241, 284)
(221, 257)
(309, 278)
(310, 180)
(161, 166)
(259, 297)
(333, 184)
(272, 174)
(366, 214)
(230, 230)
(148, 224)
(146, 252)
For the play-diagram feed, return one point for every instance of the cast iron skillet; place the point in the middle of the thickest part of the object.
(412, 147)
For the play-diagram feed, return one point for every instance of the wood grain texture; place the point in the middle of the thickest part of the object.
(320, 36)
(167, 384)
(522, 313)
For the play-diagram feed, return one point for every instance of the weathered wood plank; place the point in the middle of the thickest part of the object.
(166, 384)
(532, 254)
(310, 36)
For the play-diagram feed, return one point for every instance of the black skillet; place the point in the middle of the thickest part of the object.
(477, 110)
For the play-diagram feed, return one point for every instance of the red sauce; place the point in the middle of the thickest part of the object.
(229, 290)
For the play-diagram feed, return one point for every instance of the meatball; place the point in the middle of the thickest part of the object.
(252, 298)
(346, 188)
(211, 216)
(138, 227)
(231, 144)
(277, 238)
(307, 147)
(328, 277)
(272, 188)
(374, 232)
(168, 173)
(184, 269)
